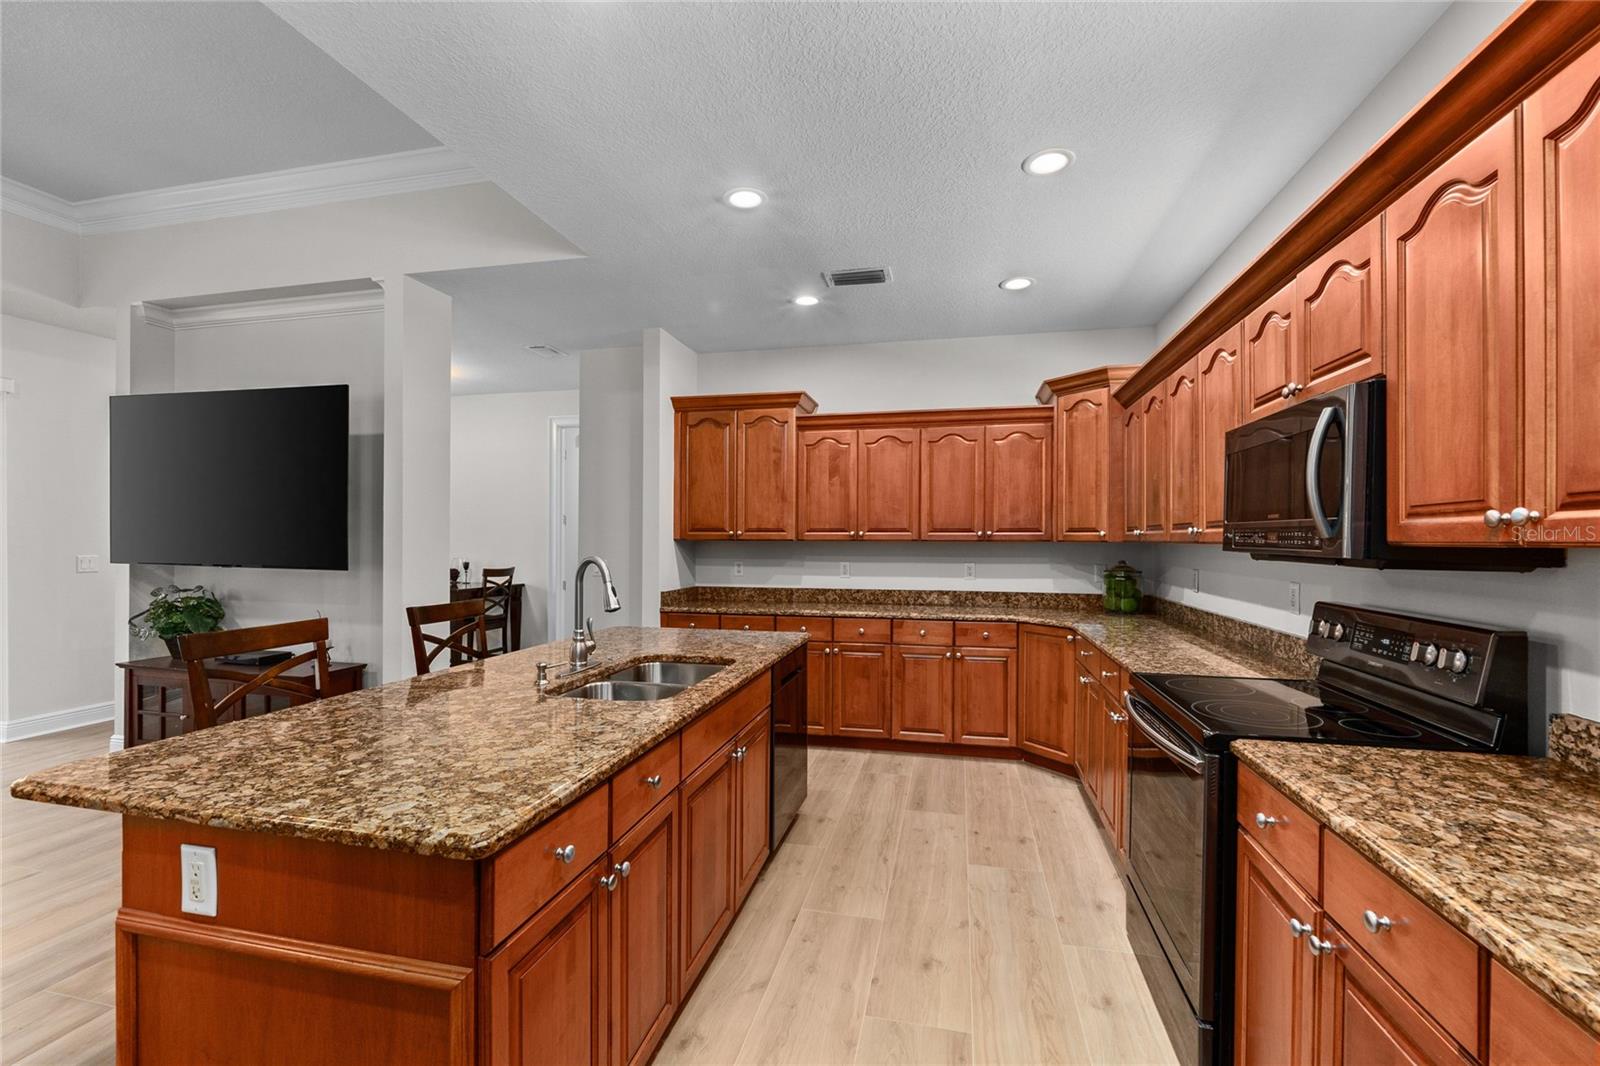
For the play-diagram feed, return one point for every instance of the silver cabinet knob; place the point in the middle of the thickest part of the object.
(949, 655)
(922, 632)
(1071, 637)
(958, 655)
(1321, 947)
(1086, 652)
(1102, 533)
(739, 753)
(566, 854)
(861, 631)
(1264, 821)
(1284, 392)
(1082, 679)
(1108, 673)
(1493, 518)
(694, 625)
(654, 781)
(744, 627)
(1298, 929)
(623, 868)
(609, 881)
(1375, 922)
(985, 634)
(730, 532)
(738, 532)
(1520, 516)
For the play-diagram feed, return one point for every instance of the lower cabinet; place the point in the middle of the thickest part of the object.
(921, 687)
(1365, 1017)
(819, 688)
(644, 934)
(1047, 696)
(1274, 974)
(710, 814)
(985, 698)
(861, 690)
(752, 789)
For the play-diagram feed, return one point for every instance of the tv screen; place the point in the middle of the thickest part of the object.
(248, 477)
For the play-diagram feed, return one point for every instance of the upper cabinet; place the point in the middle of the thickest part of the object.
(1270, 353)
(1339, 303)
(1133, 471)
(735, 465)
(1455, 426)
(1016, 481)
(987, 480)
(1221, 409)
(1561, 264)
(887, 483)
(1156, 474)
(857, 483)
(1088, 485)
(952, 482)
(1183, 452)
(829, 470)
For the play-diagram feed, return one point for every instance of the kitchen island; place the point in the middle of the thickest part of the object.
(452, 868)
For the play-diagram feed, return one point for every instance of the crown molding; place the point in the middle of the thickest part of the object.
(323, 305)
(324, 183)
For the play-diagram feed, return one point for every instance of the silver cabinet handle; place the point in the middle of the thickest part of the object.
(1086, 652)
(1375, 922)
(1083, 679)
(730, 532)
(1298, 929)
(610, 882)
(1071, 637)
(623, 868)
(1321, 947)
(739, 753)
(1266, 821)
(566, 854)
(738, 532)
(1283, 393)
(1108, 673)
(654, 781)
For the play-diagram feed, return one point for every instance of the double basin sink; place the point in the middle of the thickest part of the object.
(656, 680)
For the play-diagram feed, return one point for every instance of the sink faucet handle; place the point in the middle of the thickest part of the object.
(588, 632)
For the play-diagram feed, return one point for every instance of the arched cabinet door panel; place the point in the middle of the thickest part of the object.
(952, 482)
(1221, 409)
(1339, 302)
(887, 484)
(1183, 452)
(765, 466)
(1156, 459)
(1016, 478)
(705, 475)
(1083, 456)
(826, 499)
(1270, 353)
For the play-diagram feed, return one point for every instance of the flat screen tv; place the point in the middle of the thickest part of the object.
(246, 477)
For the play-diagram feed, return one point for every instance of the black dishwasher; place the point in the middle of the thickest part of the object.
(788, 743)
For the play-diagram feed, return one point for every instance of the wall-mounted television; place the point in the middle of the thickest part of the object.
(244, 477)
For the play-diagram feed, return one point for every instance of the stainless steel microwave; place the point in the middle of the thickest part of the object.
(1308, 483)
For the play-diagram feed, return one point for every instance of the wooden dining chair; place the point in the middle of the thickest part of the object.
(470, 640)
(201, 651)
(497, 592)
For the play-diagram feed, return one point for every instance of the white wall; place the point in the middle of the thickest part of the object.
(1002, 371)
(500, 489)
(1461, 28)
(611, 474)
(56, 647)
(670, 369)
(325, 350)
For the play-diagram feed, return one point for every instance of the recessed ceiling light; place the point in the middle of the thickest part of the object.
(805, 301)
(1047, 161)
(744, 199)
(1016, 284)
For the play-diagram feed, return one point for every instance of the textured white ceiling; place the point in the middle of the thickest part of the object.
(886, 134)
(105, 98)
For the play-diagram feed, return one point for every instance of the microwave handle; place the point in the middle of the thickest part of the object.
(1319, 439)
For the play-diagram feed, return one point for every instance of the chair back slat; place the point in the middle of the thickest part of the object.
(470, 640)
(198, 649)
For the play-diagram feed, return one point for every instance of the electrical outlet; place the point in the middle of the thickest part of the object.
(1099, 573)
(1194, 578)
(738, 569)
(198, 866)
(88, 564)
(844, 569)
(1294, 596)
(972, 571)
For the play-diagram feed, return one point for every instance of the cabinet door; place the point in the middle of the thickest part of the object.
(1089, 737)
(1045, 692)
(1133, 471)
(1364, 1018)
(709, 817)
(1339, 303)
(819, 687)
(1561, 212)
(1114, 786)
(705, 475)
(1270, 357)
(753, 767)
(1016, 479)
(1220, 406)
(1455, 427)
(644, 935)
(765, 463)
(921, 693)
(1183, 452)
(861, 690)
(545, 989)
(887, 486)
(1274, 972)
(1083, 466)
(986, 696)
(952, 482)
(1155, 465)
(827, 494)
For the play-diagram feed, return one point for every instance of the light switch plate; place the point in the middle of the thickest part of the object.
(88, 564)
(198, 879)
(844, 569)
(972, 571)
(738, 569)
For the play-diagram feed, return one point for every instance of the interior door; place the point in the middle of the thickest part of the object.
(887, 485)
(1016, 478)
(952, 482)
(1083, 465)
(705, 475)
(826, 500)
(765, 466)
(1220, 408)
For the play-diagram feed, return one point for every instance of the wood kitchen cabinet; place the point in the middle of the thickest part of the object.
(1047, 696)
(1455, 428)
(826, 498)
(861, 690)
(1365, 1017)
(710, 817)
(1183, 452)
(1271, 353)
(1133, 471)
(1156, 473)
(819, 688)
(952, 462)
(1016, 481)
(1274, 973)
(1087, 434)
(644, 935)
(887, 483)
(735, 466)
(752, 759)
(922, 687)
(987, 480)
(985, 696)
(1221, 408)
(1338, 307)
(857, 483)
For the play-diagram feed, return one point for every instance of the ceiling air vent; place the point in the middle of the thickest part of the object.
(858, 276)
(548, 351)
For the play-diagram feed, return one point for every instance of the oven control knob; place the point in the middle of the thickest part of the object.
(1338, 631)
(1458, 661)
(1430, 654)
(1322, 628)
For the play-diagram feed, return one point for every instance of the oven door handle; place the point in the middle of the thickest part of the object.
(1319, 439)
(1186, 758)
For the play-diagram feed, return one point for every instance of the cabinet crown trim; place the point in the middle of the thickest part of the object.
(1100, 376)
(800, 400)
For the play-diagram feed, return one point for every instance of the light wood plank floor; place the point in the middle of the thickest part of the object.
(924, 910)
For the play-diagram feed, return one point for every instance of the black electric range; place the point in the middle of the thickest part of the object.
(1383, 679)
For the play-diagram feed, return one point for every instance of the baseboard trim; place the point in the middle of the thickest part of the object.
(39, 725)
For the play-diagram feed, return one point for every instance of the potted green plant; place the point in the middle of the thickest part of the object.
(174, 611)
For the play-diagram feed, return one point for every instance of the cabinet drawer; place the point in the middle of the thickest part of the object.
(703, 736)
(861, 630)
(814, 628)
(525, 876)
(755, 623)
(986, 634)
(1435, 963)
(1283, 830)
(636, 787)
(922, 631)
(685, 620)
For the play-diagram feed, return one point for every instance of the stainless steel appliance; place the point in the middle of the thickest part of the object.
(788, 743)
(1384, 679)
(1308, 482)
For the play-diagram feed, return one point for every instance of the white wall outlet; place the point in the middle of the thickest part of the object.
(88, 564)
(1194, 578)
(199, 879)
(972, 571)
(844, 569)
(738, 569)
(1294, 596)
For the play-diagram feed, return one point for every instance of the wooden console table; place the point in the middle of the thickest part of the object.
(149, 713)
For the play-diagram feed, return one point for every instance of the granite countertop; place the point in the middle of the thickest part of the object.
(1505, 848)
(1141, 643)
(459, 763)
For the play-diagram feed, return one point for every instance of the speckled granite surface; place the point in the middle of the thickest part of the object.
(1172, 643)
(1505, 848)
(459, 763)
(1577, 741)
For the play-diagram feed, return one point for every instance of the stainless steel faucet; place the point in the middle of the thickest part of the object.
(583, 630)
